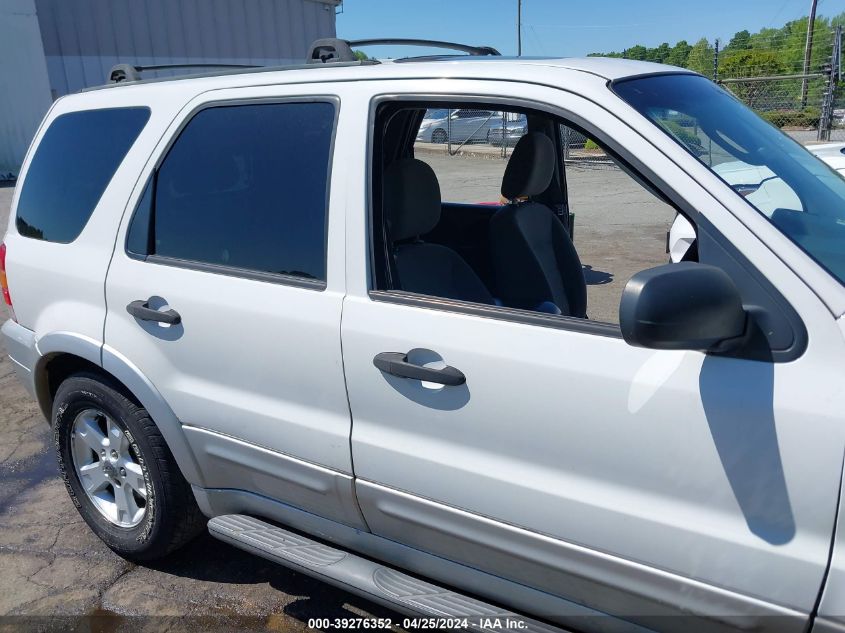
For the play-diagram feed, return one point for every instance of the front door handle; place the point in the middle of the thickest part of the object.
(141, 309)
(396, 364)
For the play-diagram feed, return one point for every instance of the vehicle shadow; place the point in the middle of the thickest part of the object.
(209, 560)
(738, 399)
(596, 277)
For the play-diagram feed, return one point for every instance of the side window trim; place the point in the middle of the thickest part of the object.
(234, 271)
(503, 313)
(499, 313)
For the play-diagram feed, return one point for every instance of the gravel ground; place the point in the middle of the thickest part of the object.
(51, 564)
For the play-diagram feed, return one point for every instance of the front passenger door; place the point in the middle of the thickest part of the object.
(637, 482)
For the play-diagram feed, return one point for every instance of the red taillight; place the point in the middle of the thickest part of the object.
(4, 282)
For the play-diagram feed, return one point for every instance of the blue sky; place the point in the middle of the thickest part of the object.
(565, 27)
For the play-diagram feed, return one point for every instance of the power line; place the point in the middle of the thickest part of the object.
(779, 11)
(540, 46)
(595, 26)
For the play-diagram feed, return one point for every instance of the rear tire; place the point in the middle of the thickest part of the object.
(161, 514)
(439, 136)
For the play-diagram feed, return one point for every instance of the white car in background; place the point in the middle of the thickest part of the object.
(760, 185)
(831, 153)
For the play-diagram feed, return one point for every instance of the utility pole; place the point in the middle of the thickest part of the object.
(716, 61)
(808, 52)
(519, 27)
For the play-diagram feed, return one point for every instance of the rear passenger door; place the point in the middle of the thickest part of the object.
(225, 291)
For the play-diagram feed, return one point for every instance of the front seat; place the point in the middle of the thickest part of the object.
(412, 209)
(535, 263)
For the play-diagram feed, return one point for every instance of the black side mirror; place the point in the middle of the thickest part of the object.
(683, 306)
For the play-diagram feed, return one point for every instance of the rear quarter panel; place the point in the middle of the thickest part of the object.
(60, 287)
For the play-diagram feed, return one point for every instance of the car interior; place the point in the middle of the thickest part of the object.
(516, 253)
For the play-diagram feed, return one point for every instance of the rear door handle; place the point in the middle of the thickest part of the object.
(396, 364)
(141, 309)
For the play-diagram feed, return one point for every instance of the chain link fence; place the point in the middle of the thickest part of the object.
(578, 150)
(494, 134)
(463, 131)
(773, 78)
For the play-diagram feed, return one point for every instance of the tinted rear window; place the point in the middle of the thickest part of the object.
(72, 166)
(244, 187)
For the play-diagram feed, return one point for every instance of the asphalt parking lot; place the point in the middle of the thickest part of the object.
(52, 565)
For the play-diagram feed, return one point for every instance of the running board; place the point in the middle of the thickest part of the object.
(363, 577)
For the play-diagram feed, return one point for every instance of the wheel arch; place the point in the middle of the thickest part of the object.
(62, 354)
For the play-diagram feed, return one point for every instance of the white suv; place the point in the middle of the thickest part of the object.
(242, 297)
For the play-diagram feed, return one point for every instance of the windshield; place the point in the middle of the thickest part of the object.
(801, 195)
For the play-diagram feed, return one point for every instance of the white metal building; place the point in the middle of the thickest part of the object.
(49, 48)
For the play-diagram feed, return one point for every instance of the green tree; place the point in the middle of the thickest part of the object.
(700, 58)
(360, 55)
(793, 38)
(784, 47)
(658, 54)
(740, 41)
(767, 39)
(638, 52)
(679, 54)
(751, 63)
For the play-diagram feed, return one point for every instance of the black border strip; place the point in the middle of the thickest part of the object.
(231, 271)
(499, 313)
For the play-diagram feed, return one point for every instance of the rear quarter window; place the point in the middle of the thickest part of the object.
(71, 169)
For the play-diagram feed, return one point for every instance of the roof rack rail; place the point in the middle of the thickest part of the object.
(336, 50)
(129, 72)
(330, 49)
(466, 48)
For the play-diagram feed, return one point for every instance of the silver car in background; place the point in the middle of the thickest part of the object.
(511, 131)
(458, 126)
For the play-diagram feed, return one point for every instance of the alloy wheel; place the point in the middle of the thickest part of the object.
(108, 468)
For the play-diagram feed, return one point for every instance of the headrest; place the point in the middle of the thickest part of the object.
(530, 168)
(411, 198)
